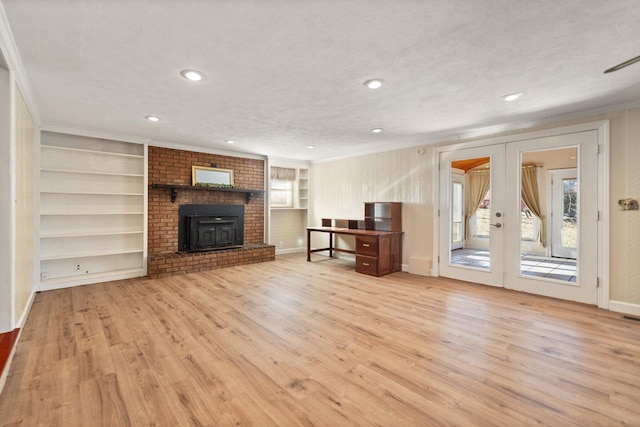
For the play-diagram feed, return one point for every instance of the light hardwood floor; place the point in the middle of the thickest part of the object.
(291, 343)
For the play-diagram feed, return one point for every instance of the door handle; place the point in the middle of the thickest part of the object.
(496, 225)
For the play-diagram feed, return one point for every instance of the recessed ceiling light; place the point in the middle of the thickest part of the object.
(512, 96)
(374, 83)
(376, 130)
(228, 141)
(152, 118)
(193, 75)
(311, 147)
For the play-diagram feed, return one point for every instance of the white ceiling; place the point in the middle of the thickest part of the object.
(286, 74)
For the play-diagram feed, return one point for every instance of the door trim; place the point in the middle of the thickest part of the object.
(602, 128)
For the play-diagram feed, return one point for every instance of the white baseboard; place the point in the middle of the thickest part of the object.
(25, 313)
(625, 308)
(290, 251)
(89, 279)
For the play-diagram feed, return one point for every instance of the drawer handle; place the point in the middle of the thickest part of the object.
(366, 264)
(366, 245)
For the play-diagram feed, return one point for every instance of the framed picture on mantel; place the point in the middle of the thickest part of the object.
(211, 177)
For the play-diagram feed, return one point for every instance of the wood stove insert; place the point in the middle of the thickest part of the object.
(210, 227)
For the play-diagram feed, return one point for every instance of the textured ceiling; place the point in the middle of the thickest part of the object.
(282, 75)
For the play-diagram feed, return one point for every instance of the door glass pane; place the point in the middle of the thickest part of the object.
(569, 213)
(482, 217)
(456, 213)
(529, 223)
(549, 213)
(470, 213)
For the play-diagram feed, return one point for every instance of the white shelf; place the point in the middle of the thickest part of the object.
(89, 254)
(92, 193)
(84, 172)
(90, 214)
(112, 233)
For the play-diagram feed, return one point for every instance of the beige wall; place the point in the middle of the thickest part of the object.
(288, 229)
(27, 173)
(341, 186)
(625, 225)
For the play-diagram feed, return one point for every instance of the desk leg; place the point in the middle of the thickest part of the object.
(330, 245)
(308, 245)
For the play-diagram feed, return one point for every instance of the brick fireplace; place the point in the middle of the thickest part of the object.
(170, 166)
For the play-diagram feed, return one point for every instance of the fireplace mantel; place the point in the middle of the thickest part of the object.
(175, 187)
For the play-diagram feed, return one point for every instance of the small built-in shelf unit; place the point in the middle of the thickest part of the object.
(299, 190)
(92, 203)
(383, 216)
(303, 188)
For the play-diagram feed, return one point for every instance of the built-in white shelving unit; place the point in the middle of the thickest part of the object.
(303, 188)
(287, 225)
(92, 210)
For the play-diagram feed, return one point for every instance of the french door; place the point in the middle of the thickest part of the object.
(509, 213)
(569, 221)
(480, 258)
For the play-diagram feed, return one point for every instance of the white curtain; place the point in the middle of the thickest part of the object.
(283, 174)
(479, 183)
(531, 198)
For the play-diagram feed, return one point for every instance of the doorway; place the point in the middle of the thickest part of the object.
(532, 222)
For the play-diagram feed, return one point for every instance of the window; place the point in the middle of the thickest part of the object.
(281, 190)
(481, 219)
(529, 224)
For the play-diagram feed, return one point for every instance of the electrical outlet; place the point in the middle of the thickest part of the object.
(78, 267)
(281, 245)
(44, 276)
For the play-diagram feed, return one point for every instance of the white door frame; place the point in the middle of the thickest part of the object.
(602, 128)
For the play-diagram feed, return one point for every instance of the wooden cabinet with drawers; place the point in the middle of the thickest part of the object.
(379, 254)
(378, 242)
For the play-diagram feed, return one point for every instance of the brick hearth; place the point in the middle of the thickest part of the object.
(170, 264)
(169, 166)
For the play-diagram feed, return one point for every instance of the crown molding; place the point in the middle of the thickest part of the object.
(198, 149)
(14, 63)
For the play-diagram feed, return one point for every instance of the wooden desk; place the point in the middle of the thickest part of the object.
(377, 252)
